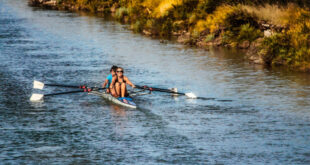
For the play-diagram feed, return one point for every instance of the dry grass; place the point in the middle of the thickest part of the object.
(272, 13)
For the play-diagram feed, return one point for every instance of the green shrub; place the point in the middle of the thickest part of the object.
(121, 12)
(137, 26)
(247, 32)
(150, 23)
(277, 49)
(208, 6)
(227, 37)
(166, 27)
(209, 37)
(192, 18)
(178, 25)
(240, 17)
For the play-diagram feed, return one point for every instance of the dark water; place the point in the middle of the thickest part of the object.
(268, 121)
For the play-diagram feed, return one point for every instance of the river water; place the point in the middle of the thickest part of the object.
(258, 116)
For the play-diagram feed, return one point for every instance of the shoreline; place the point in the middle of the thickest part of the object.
(258, 49)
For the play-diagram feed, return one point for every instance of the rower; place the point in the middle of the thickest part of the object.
(108, 81)
(120, 81)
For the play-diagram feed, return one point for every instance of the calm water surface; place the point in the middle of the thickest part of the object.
(267, 121)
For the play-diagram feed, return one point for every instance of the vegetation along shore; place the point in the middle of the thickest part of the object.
(274, 32)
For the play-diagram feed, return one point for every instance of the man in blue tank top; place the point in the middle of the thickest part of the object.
(108, 81)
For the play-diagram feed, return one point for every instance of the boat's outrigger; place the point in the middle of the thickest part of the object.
(139, 92)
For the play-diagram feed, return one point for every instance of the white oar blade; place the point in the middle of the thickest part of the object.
(191, 95)
(36, 97)
(174, 90)
(38, 84)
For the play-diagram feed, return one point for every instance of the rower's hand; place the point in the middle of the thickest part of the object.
(133, 86)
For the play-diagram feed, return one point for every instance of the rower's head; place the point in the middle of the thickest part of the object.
(119, 71)
(113, 70)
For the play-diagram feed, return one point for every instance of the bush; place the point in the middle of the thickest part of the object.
(227, 37)
(121, 12)
(213, 22)
(209, 37)
(247, 32)
(178, 25)
(150, 23)
(137, 26)
(209, 6)
(239, 17)
(279, 49)
(166, 27)
(276, 49)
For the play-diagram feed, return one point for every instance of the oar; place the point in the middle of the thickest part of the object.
(190, 95)
(38, 97)
(40, 85)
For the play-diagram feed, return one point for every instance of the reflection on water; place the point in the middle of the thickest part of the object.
(119, 117)
(267, 121)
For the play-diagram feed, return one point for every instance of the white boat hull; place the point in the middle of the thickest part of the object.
(109, 97)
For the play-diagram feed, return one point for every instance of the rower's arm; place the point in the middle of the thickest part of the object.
(105, 83)
(129, 82)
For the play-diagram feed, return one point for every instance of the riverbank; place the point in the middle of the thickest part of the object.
(272, 34)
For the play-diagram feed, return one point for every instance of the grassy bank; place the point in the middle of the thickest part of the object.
(276, 32)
